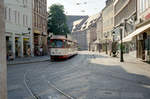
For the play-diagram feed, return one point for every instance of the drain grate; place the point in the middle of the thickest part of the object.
(108, 93)
(53, 97)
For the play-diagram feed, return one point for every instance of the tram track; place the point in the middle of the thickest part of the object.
(37, 96)
(60, 91)
(26, 81)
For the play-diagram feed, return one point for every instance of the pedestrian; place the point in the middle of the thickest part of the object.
(28, 52)
(10, 56)
(41, 51)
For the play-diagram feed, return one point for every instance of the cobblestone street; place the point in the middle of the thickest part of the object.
(85, 76)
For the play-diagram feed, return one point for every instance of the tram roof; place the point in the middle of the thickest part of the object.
(63, 37)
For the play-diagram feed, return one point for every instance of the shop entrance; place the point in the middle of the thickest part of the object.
(26, 47)
(141, 46)
(147, 45)
(17, 47)
(9, 47)
(36, 45)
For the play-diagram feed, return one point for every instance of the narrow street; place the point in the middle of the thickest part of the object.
(85, 76)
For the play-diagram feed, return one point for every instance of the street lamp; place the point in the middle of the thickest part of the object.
(113, 34)
(113, 44)
(29, 29)
(106, 42)
(99, 46)
(121, 43)
(121, 47)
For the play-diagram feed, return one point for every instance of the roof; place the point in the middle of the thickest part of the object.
(78, 24)
(91, 20)
(72, 18)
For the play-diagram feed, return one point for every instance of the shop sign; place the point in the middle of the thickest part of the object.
(44, 33)
(26, 39)
(147, 16)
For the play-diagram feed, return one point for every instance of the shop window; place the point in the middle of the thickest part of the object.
(147, 43)
(24, 20)
(9, 14)
(18, 17)
(15, 15)
(6, 13)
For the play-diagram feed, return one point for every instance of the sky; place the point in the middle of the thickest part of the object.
(79, 7)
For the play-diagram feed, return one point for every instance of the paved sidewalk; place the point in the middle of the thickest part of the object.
(130, 64)
(28, 60)
(127, 58)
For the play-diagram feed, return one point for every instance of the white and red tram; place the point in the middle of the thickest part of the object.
(62, 47)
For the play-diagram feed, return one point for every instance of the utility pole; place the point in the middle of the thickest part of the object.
(3, 68)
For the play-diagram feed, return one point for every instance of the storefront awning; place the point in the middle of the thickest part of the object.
(136, 32)
(96, 42)
(37, 32)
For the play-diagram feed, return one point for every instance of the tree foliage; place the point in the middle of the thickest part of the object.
(57, 20)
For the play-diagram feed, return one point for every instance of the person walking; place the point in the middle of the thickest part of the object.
(41, 51)
(28, 52)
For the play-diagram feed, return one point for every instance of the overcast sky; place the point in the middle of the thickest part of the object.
(80, 7)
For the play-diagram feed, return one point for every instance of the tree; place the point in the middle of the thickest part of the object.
(57, 20)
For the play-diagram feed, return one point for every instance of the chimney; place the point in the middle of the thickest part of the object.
(108, 2)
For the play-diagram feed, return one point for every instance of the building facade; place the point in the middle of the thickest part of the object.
(39, 14)
(125, 12)
(99, 32)
(80, 35)
(18, 19)
(91, 37)
(143, 24)
(90, 27)
(84, 31)
(108, 24)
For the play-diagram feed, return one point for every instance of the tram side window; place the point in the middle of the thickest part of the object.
(68, 44)
(65, 44)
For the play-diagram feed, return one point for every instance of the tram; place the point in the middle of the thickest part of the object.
(62, 47)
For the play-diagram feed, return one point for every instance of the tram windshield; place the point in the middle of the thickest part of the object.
(57, 43)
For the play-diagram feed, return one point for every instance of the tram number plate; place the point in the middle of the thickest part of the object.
(56, 50)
